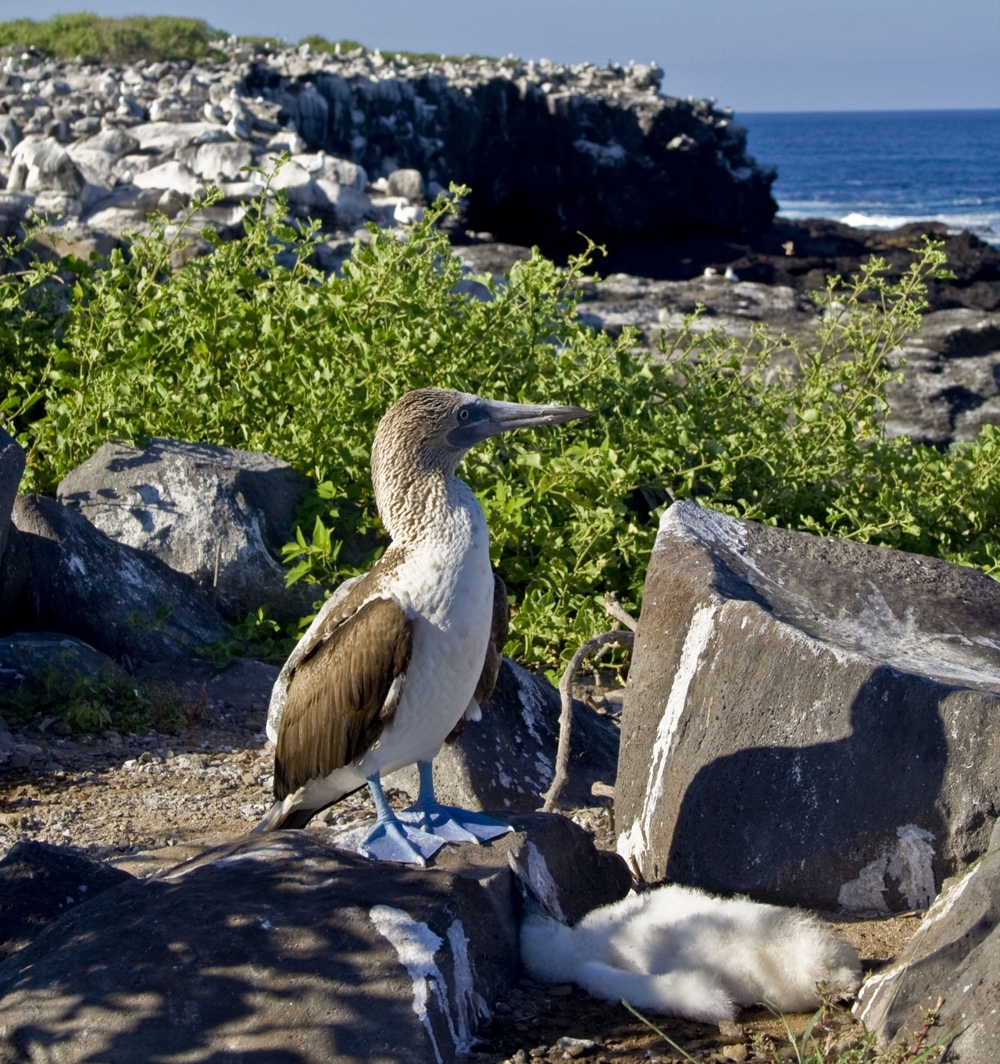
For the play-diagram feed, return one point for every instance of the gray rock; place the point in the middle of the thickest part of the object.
(10, 134)
(39, 883)
(171, 175)
(114, 142)
(506, 760)
(332, 168)
(6, 741)
(408, 183)
(50, 167)
(280, 948)
(244, 685)
(807, 720)
(96, 156)
(954, 957)
(14, 566)
(166, 138)
(120, 600)
(221, 161)
(951, 379)
(11, 469)
(190, 504)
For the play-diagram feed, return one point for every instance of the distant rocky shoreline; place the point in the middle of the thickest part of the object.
(548, 150)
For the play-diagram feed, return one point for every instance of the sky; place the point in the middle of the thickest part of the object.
(753, 55)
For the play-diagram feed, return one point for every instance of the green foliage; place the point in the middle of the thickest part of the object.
(112, 40)
(259, 636)
(92, 701)
(254, 347)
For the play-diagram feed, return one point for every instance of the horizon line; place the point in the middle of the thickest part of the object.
(861, 110)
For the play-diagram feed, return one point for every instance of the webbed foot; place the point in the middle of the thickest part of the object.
(452, 824)
(393, 841)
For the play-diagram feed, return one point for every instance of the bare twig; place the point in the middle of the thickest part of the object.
(617, 610)
(622, 639)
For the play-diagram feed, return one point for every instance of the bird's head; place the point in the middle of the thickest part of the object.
(434, 427)
(431, 429)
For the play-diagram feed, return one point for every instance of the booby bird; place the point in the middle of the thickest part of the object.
(399, 657)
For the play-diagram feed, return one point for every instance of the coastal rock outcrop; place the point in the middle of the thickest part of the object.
(807, 719)
(549, 150)
(951, 967)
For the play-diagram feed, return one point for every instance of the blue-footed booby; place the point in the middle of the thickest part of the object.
(399, 658)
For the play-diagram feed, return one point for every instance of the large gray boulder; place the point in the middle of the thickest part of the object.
(953, 958)
(122, 601)
(807, 720)
(280, 948)
(13, 564)
(11, 468)
(200, 509)
(49, 167)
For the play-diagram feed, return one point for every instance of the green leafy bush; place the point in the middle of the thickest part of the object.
(113, 40)
(253, 347)
(92, 701)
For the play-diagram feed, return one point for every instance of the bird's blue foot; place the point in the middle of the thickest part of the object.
(393, 841)
(451, 824)
(446, 821)
(390, 840)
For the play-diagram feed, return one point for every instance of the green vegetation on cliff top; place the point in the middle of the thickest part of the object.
(113, 40)
(140, 38)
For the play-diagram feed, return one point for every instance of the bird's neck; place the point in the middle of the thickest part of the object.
(414, 503)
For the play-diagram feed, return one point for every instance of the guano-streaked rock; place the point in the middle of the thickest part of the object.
(808, 720)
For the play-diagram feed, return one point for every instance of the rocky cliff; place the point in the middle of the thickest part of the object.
(548, 150)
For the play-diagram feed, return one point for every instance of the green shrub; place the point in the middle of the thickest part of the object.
(253, 347)
(92, 701)
(113, 40)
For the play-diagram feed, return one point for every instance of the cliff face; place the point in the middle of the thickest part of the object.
(548, 150)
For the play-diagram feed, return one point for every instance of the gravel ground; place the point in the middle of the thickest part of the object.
(147, 802)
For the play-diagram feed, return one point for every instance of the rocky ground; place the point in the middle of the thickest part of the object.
(146, 803)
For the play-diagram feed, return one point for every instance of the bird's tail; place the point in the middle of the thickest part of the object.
(285, 813)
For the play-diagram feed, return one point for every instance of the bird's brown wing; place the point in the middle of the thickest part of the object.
(342, 693)
(498, 637)
(494, 654)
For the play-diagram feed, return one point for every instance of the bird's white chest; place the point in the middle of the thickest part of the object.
(445, 583)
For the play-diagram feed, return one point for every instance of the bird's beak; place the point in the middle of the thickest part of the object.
(504, 416)
(491, 417)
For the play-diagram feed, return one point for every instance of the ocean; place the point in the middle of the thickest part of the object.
(881, 169)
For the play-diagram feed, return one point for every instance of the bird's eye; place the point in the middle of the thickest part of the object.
(463, 415)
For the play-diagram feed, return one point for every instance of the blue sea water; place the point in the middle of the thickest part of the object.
(880, 169)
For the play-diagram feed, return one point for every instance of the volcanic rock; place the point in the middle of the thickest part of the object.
(951, 967)
(806, 719)
(120, 600)
(40, 882)
(283, 948)
(218, 514)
